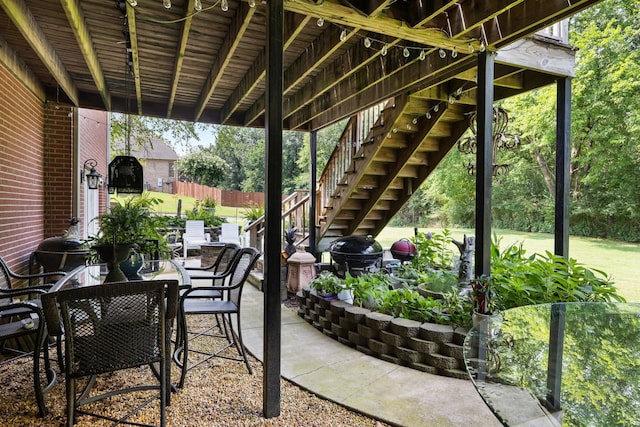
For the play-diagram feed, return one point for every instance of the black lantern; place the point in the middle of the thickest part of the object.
(93, 177)
(125, 175)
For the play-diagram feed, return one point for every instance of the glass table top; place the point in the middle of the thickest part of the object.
(570, 364)
(94, 274)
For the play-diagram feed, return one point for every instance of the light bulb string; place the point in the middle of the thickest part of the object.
(148, 18)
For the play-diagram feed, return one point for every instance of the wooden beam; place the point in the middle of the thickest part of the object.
(83, 37)
(527, 17)
(319, 51)
(353, 60)
(469, 15)
(180, 51)
(335, 12)
(238, 27)
(135, 57)
(22, 18)
(12, 62)
(417, 75)
(533, 54)
(294, 25)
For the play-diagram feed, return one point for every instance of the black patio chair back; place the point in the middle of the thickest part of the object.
(193, 303)
(112, 327)
(22, 326)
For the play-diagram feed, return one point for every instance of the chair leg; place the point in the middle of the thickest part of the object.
(71, 401)
(237, 340)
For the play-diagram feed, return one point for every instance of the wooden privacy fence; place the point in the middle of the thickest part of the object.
(231, 198)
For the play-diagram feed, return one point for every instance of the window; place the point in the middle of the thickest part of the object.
(171, 170)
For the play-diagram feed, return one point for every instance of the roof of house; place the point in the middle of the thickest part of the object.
(157, 150)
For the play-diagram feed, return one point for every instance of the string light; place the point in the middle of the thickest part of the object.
(133, 3)
(482, 47)
(442, 53)
(198, 5)
(252, 3)
(320, 22)
(367, 42)
(224, 5)
(454, 53)
(343, 35)
(166, 4)
(471, 49)
(423, 55)
(405, 52)
(383, 51)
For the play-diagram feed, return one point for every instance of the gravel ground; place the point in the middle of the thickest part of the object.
(217, 393)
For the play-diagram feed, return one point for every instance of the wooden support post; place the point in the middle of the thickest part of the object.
(484, 163)
(313, 144)
(273, 228)
(563, 161)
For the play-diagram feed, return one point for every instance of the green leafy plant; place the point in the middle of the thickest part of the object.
(519, 280)
(252, 212)
(434, 250)
(438, 281)
(327, 284)
(131, 221)
(369, 288)
(205, 210)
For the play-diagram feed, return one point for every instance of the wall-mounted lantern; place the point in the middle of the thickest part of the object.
(92, 177)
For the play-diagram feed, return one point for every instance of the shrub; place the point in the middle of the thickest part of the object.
(537, 279)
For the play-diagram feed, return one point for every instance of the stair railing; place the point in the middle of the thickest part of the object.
(295, 214)
(341, 160)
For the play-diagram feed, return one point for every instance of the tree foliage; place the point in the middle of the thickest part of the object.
(202, 167)
(143, 129)
(605, 146)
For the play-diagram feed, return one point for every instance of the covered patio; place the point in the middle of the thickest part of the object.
(296, 64)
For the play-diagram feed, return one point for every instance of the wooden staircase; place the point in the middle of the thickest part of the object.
(384, 154)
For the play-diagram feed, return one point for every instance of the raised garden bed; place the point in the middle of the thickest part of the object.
(428, 347)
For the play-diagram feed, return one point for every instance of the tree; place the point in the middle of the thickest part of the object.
(202, 167)
(142, 129)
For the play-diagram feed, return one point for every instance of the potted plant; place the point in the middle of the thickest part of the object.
(327, 285)
(128, 227)
(483, 298)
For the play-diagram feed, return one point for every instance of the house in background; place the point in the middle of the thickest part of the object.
(158, 162)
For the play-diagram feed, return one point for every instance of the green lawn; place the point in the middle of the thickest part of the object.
(617, 259)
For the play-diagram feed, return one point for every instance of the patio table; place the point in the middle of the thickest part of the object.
(559, 364)
(94, 274)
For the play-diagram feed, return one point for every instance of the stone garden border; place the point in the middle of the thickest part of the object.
(428, 347)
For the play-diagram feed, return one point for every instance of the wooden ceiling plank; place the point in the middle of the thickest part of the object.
(238, 27)
(435, 9)
(135, 57)
(377, 6)
(26, 23)
(530, 16)
(83, 37)
(469, 14)
(335, 12)
(318, 52)
(380, 81)
(257, 72)
(182, 47)
(349, 63)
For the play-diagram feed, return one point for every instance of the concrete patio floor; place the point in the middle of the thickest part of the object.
(390, 393)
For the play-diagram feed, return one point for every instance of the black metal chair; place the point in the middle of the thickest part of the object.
(195, 301)
(22, 326)
(109, 328)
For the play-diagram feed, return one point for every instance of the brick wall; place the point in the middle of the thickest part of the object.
(59, 132)
(22, 160)
(93, 132)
